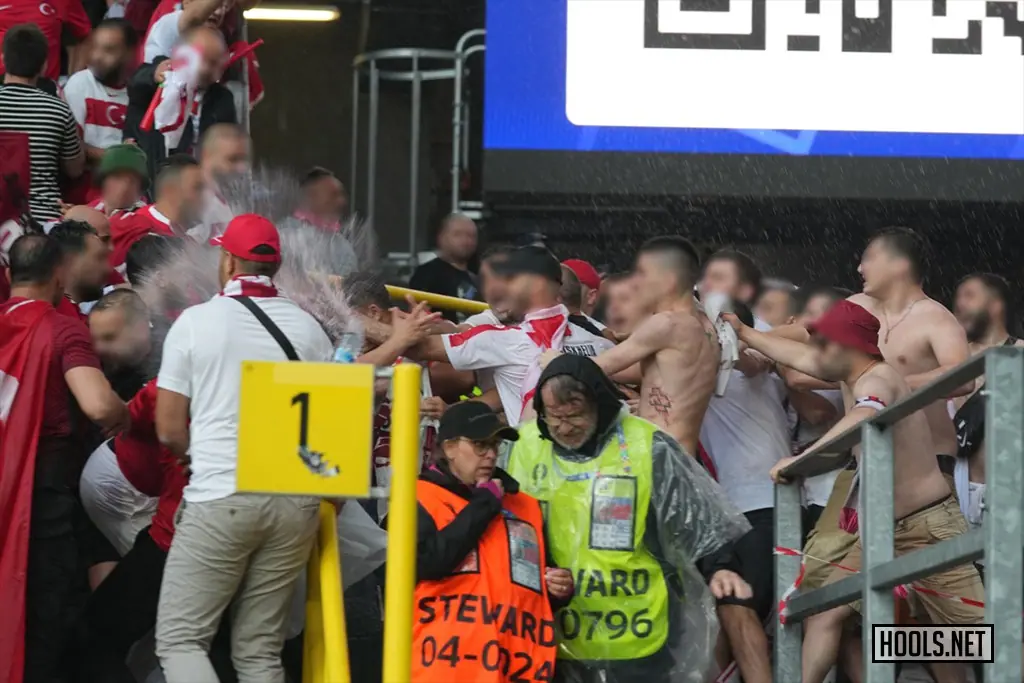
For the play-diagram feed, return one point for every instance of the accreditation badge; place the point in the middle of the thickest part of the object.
(613, 513)
(524, 554)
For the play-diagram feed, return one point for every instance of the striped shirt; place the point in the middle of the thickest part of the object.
(53, 136)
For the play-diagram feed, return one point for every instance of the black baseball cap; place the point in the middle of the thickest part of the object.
(530, 261)
(475, 421)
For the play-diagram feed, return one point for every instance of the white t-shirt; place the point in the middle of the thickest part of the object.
(202, 359)
(98, 110)
(745, 433)
(162, 37)
(484, 378)
(818, 489)
(508, 353)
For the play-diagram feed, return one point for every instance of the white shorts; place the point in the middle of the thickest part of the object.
(117, 508)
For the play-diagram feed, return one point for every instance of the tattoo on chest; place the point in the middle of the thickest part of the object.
(660, 401)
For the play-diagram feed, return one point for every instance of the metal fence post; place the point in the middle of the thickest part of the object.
(788, 534)
(876, 532)
(1004, 458)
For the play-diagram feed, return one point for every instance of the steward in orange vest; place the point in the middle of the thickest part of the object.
(483, 611)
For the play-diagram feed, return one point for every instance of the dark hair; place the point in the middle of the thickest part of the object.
(25, 51)
(146, 254)
(684, 257)
(743, 312)
(265, 268)
(315, 174)
(907, 244)
(72, 236)
(366, 288)
(34, 258)
(571, 291)
(774, 284)
(998, 285)
(128, 33)
(746, 268)
(171, 168)
(805, 294)
(126, 300)
(568, 389)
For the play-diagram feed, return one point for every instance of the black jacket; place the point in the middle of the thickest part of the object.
(439, 552)
(218, 107)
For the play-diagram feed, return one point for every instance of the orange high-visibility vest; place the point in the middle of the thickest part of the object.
(490, 621)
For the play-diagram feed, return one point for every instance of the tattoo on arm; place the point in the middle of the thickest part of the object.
(661, 403)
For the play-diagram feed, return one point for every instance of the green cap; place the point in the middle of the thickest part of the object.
(120, 158)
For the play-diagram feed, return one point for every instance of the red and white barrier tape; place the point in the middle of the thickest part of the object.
(901, 592)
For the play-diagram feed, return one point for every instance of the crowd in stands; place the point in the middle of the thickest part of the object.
(599, 450)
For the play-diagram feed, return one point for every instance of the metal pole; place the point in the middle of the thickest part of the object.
(354, 152)
(371, 153)
(313, 640)
(788, 534)
(336, 658)
(876, 532)
(456, 171)
(414, 156)
(441, 301)
(1004, 455)
(401, 566)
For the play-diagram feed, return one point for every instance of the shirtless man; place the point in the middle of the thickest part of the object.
(981, 306)
(919, 337)
(673, 354)
(846, 349)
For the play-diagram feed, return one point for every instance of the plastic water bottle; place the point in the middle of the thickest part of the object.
(348, 349)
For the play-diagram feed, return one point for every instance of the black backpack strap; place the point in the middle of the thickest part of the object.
(270, 326)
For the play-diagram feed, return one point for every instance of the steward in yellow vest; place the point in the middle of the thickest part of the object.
(629, 513)
(484, 591)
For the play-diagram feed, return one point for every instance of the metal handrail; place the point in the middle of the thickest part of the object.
(999, 541)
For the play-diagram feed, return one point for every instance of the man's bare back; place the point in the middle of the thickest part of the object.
(917, 480)
(906, 348)
(678, 353)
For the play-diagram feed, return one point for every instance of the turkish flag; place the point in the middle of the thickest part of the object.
(26, 328)
(104, 113)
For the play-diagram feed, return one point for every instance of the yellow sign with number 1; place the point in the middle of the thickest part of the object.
(305, 429)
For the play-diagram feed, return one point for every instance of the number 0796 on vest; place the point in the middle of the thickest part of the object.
(305, 429)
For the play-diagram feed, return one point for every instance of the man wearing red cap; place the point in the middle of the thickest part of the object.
(230, 547)
(591, 281)
(845, 349)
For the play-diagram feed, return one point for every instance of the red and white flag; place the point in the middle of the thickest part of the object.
(178, 95)
(26, 331)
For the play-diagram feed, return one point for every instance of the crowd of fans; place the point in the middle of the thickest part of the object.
(599, 450)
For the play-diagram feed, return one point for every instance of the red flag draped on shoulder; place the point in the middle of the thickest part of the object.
(26, 331)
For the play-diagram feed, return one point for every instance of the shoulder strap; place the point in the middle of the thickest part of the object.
(270, 326)
(1010, 341)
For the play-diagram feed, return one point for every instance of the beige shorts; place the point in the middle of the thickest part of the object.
(932, 525)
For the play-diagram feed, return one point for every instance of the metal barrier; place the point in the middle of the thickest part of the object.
(999, 541)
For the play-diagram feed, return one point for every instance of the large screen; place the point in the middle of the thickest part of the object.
(900, 98)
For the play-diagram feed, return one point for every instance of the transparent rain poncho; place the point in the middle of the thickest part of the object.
(641, 608)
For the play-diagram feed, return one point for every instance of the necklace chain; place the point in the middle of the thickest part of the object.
(889, 328)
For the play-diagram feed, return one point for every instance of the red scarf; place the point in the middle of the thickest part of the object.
(26, 331)
(259, 286)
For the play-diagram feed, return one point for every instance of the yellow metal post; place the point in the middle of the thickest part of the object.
(448, 303)
(313, 640)
(401, 564)
(336, 661)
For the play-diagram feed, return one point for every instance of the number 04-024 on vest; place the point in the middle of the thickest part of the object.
(304, 429)
(490, 621)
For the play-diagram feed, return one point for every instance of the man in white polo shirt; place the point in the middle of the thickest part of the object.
(243, 549)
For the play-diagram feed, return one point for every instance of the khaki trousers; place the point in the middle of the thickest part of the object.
(246, 551)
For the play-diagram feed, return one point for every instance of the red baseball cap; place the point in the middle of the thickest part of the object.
(848, 324)
(247, 232)
(585, 272)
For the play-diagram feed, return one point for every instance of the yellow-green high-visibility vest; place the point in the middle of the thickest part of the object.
(596, 516)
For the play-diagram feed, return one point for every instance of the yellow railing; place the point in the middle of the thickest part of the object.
(448, 303)
(326, 656)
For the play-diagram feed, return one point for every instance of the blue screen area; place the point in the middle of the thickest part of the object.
(525, 107)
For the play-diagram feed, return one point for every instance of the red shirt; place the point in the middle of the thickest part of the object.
(72, 348)
(128, 228)
(51, 16)
(150, 467)
(70, 309)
